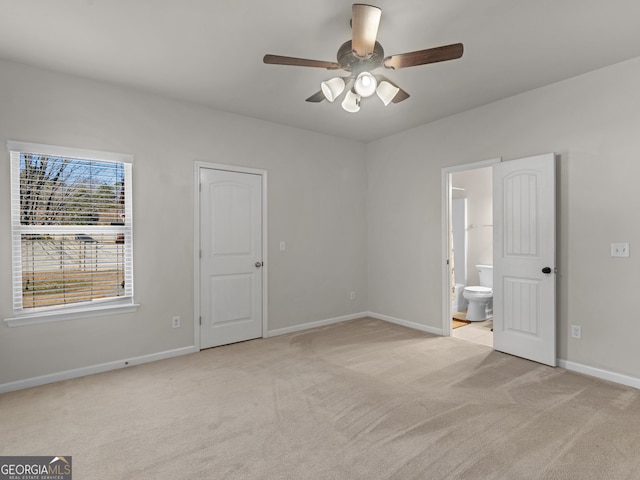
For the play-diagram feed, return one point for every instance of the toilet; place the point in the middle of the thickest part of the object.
(480, 297)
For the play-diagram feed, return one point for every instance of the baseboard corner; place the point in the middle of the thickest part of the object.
(320, 323)
(406, 323)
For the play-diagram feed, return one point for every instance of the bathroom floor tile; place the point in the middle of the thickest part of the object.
(478, 332)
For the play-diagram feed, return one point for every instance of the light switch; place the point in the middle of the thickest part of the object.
(619, 249)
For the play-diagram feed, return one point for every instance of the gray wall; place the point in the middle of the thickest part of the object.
(371, 226)
(593, 123)
(316, 203)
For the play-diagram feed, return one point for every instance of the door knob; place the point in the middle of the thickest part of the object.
(546, 270)
(258, 264)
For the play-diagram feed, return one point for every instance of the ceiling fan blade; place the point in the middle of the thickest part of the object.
(299, 62)
(400, 96)
(422, 57)
(365, 20)
(316, 97)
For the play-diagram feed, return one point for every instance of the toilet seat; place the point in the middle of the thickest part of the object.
(479, 292)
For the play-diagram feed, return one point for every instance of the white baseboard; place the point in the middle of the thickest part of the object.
(103, 367)
(319, 323)
(572, 366)
(600, 373)
(406, 323)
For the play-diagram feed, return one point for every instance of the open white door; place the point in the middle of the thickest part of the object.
(231, 273)
(524, 286)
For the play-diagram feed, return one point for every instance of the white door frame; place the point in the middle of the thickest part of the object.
(198, 166)
(446, 212)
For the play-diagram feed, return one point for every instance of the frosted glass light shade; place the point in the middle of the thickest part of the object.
(351, 102)
(332, 88)
(386, 92)
(365, 84)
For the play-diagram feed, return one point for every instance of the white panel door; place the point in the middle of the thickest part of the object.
(230, 257)
(524, 286)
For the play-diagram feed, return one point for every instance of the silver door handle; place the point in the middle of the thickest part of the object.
(259, 264)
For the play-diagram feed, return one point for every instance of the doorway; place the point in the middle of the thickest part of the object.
(524, 242)
(231, 255)
(469, 231)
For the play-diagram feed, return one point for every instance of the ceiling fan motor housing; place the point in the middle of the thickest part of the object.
(349, 61)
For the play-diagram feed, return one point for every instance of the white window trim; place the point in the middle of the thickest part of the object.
(94, 308)
(71, 313)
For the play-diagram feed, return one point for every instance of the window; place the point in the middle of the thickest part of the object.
(71, 226)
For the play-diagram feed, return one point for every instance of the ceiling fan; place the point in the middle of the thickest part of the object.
(359, 57)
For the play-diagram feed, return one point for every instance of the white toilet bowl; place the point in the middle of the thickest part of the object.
(478, 298)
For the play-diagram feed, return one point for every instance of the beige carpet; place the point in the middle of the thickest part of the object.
(359, 400)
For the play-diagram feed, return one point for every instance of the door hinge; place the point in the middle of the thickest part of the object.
(199, 187)
(200, 320)
(200, 254)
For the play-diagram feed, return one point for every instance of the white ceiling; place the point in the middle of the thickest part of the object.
(210, 51)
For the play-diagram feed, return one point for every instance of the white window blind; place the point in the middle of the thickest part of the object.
(71, 218)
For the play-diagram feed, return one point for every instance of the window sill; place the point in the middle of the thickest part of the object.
(70, 314)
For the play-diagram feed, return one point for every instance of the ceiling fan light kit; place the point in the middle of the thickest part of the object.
(360, 56)
(332, 88)
(365, 84)
(386, 91)
(351, 102)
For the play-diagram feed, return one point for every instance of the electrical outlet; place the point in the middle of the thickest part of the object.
(619, 249)
(352, 296)
(576, 331)
(175, 322)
